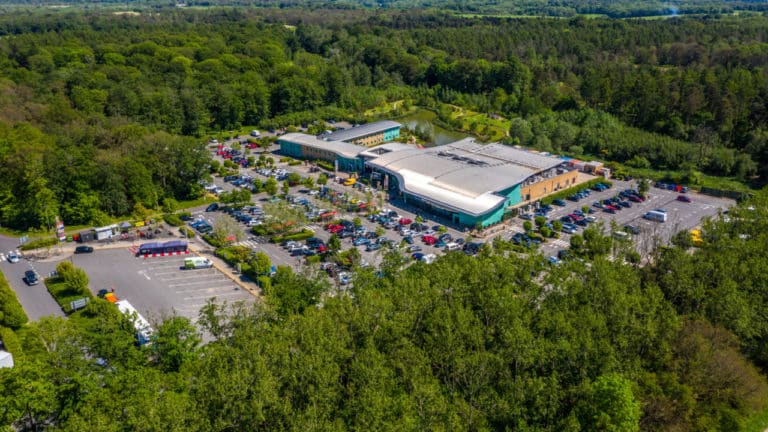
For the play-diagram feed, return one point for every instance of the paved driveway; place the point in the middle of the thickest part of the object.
(35, 300)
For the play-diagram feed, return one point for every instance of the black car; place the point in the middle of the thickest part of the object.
(212, 207)
(30, 277)
(83, 249)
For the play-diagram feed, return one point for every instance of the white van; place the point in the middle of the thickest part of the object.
(452, 246)
(255, 133)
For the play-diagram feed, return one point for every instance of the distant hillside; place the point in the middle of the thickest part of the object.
(564, 8)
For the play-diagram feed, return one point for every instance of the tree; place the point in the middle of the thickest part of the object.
(357, 222)
(322, 179)
(175, 343)
(226, 230)
(540, 221)
(611, 406)
(643, 186)
(286, 188)
(261, 264)
(75, 278)
(270, 187)
(334, 243)
(308, 182)
(527, 225)
(294, 178)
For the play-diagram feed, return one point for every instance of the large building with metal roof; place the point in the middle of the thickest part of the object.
(368, 134)
(467, 182)
(309, 147)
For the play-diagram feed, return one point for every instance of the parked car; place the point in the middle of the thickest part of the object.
(83, 249)
(684, 198)
(414, 248)
(212, 207)
(13, 257)
(632, 229)
(559, 202)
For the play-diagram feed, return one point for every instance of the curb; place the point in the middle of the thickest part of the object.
(217, 264)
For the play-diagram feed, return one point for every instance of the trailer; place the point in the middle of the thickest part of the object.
(656, 216)
(141, 325)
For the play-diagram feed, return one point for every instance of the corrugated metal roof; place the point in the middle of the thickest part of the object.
(464, 175)
(341, 148)
(356, 132)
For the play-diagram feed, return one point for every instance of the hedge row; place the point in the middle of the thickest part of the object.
(212, 241)
(173, 219)
(323, 164)
(572, 190)
(302, 235)
(11, 313)
(40, 243)
(11, 342)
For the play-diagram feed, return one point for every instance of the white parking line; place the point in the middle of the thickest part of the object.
(236, 293)
(190, 283)
(228, 287)
(210, 277)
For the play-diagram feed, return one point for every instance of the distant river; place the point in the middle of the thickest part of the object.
(424, 120)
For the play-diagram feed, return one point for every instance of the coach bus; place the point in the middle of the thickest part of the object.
(172, 246)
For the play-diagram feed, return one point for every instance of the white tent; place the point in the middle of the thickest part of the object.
(6, 359)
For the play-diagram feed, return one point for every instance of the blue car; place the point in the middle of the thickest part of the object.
(361, 241)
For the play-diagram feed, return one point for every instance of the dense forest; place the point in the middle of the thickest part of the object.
(539, 8)
(102, 115)
(501, 341)
(96, 108)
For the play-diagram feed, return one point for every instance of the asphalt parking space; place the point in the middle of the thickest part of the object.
(681, 215)
(158, 287)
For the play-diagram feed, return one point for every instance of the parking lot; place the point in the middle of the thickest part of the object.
(681, 216)
(158, 286)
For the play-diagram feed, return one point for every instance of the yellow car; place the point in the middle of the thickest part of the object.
(696, 239)
(350, 182)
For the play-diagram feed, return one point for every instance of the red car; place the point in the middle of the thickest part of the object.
(334, 228)
(636, 198)
(684, 198)
(405, 221)
(429, 240)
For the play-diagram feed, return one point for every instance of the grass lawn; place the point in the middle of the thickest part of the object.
(63, 295)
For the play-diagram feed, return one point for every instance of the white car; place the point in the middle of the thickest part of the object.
(13, 257)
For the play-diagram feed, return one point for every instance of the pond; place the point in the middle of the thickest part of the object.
(424, 120)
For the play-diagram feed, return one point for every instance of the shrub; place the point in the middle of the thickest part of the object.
(40, 243)
(234, 254)
(294, 163)
(325, 165)
(297, 236)
(11, 313)
(211, 240)
(173, 219)
(187, 232)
